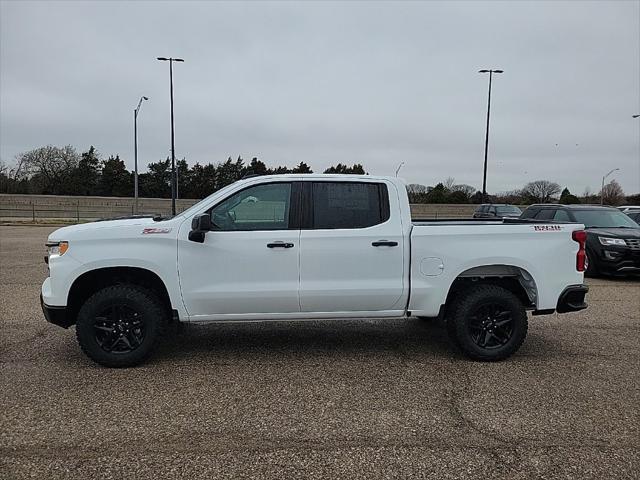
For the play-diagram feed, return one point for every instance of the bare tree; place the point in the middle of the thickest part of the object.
(468, 190)
(612, 193)
(51, 165)
(589, 196)
(449, 183)
(510, 196)
(416, 188)
(540, 191)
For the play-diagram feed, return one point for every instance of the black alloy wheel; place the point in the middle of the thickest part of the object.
(490, 326)
(119, 329)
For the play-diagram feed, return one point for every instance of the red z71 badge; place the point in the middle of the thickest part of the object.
(148, 231)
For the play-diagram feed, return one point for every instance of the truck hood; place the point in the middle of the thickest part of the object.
(74, 231)
(615, 232)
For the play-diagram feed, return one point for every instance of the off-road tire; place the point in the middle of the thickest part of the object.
(150, 315)
(464, 319)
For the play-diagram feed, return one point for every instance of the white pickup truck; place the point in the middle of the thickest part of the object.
(299, 247)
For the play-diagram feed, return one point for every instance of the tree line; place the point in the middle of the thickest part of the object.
(538, 191)
(62, 171)
(54, 170)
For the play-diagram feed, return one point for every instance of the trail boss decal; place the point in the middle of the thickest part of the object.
(149, 231)
(547, 228)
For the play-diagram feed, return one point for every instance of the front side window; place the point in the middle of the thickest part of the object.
(349, 205)
(263, 207)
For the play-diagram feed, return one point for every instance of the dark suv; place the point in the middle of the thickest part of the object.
(613, 239)
(489, 210)
(633, 215)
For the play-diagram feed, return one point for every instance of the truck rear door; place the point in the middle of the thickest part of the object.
(351, 247)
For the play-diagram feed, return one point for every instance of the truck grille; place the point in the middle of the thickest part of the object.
(633, 243)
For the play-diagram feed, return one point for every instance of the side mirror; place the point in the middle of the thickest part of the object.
(200, 225)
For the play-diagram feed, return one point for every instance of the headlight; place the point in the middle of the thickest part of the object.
(57, 248)
(612, 241)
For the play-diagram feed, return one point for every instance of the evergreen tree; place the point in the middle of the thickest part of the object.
(356, 169)
(156, 183)
(256, 167)
(566, 198)
(302, 168)
(115, 179)
(86, 176)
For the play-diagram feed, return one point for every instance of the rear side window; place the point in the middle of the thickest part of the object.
(349, 205)
(561, 216)
(546, 214)
(530, 213)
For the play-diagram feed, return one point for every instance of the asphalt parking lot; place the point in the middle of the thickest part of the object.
(335, 399)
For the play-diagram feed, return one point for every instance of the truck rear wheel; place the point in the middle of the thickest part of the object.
(488, 323)
(119, 325)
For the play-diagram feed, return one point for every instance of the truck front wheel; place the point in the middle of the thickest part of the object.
(119, 325)
(488, 323)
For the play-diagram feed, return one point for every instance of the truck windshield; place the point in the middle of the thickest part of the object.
(604, 219)
(508, 209)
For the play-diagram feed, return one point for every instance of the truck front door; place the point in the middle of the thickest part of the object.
(248, 263)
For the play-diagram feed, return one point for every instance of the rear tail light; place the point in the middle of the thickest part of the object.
(580, 236)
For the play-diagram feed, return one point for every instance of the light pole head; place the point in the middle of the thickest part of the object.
(178, 60)
(635, 116)
(483, 71)
(163, 59)
(145, 98)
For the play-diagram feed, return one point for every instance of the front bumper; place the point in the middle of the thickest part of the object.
(56, 315)
(618, 261)
(572, 299)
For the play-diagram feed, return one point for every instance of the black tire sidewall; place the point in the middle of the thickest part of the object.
(475, 298)
(137, 298)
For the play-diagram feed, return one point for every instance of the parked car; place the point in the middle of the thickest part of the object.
(627, 208)
(613, 238)
(488, 210)
(308, 247)
(633, 215)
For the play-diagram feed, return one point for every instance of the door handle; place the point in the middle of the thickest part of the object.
(279, 245)
(384, 243)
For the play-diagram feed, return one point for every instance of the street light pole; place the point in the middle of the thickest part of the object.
(173, 146)
(602, 189)
(486, 139)
(135, 153)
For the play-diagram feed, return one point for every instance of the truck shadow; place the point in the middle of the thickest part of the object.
(305, 339)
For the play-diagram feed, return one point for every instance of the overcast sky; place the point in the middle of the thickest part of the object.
(368, 82)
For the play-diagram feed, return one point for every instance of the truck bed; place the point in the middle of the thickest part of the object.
(541, 254)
